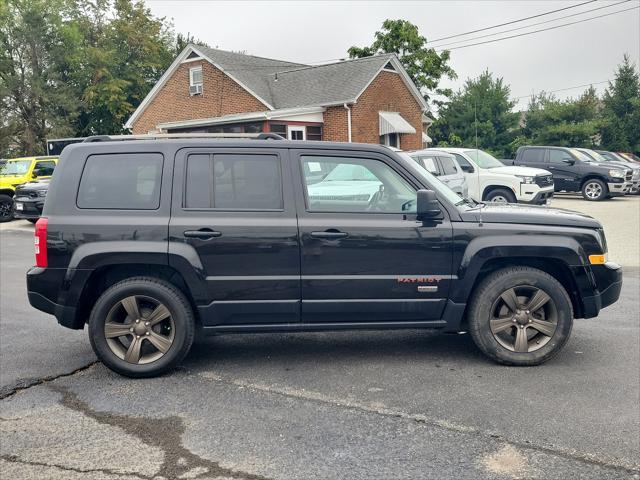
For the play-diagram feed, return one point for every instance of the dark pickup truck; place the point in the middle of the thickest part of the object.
(573, 171)
(152, 242)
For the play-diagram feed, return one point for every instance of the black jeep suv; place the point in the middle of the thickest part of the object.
(150, 241)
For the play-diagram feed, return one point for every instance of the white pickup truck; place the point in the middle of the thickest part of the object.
(488, 180)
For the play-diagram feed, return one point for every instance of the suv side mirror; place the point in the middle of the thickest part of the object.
(467, 168)
(427, 205)
(569, 161)
(36, 173)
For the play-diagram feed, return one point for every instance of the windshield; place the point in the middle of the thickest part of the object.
(581, 156)
(483, 159)
(17, 167)
(350, 173)
(596, 156)
(435, 184)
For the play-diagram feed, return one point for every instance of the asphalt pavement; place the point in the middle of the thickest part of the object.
(370, 405)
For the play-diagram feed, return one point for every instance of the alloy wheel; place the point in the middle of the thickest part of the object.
(5, 209)
(523, 319)
(499, 199)
(139, 329)
(593, 190)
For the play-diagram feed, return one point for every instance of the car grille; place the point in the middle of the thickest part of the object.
(544, 180)
(629, 175)
(26, 193)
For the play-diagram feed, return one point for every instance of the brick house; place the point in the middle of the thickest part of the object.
(370, 100)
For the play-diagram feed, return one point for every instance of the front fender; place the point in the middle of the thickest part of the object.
(482, 249)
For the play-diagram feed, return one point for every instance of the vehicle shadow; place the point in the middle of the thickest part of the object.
(334, 347)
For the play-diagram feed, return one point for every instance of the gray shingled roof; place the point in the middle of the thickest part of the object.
(298, 85)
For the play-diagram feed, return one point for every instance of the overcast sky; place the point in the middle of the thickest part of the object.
(310, 32)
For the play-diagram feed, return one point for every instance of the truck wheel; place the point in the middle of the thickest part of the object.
(520, 316)
(500, 195)
(6, 208)
(141, 327)
(595, 190)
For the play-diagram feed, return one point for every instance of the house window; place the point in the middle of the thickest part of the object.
(278, 128)
(314, 132)
(390, 140)
(195, 80)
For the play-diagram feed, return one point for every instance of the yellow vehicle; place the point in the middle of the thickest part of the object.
(16, 171)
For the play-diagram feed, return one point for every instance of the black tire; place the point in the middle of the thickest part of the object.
(520, 279)
(595, 190)
(6, 208)
(500, 193)
(146, 288)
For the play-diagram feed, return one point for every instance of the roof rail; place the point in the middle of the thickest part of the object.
(158, 136)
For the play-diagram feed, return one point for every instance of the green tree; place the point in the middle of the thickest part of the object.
(483, 106)
(131, 52)
(621, 110)
(36, 98)
(423, 64)
(566, 123)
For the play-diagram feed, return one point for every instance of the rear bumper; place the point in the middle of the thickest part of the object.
(607, 279)
(44, 283)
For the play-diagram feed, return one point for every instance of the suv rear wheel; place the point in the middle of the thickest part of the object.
(141, 327)
(6, 208)
(595, 190)
(520, 316)
(500, 195)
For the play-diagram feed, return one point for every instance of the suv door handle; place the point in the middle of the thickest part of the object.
(332, 233)
(203, 234)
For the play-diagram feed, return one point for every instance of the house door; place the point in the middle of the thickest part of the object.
(296, 132)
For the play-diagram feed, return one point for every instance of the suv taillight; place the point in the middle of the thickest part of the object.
(41, 242)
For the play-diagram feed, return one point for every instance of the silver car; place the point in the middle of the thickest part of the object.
(444, 166)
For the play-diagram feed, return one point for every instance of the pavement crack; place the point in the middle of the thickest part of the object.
(423, 419)
(15, 459)
(9, 390)
(163, 433)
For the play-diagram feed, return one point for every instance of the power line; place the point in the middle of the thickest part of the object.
(564, 89)
(530, 25)
(538, 31)
(513, 21)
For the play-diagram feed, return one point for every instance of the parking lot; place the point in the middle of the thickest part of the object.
(352, 405)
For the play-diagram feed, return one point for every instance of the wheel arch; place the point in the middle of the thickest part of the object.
(494, 186)
(7, 191)
(104, 276)
(593, 176)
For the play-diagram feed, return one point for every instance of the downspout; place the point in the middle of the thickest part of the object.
(348, 121)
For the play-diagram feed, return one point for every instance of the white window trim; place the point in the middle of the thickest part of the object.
(191, 70)
(297, 128)
(194, 59)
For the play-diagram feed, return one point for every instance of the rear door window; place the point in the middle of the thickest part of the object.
(233, 182)
(430, 164)
(448, 166)
(121, 182)
(533, 155)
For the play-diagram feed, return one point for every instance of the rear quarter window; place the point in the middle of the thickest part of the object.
(121, 182)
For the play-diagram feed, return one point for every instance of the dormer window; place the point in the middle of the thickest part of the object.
(195, 81)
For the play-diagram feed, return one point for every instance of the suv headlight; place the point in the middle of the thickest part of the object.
(526, 179)
(42, 193)
(616, 173)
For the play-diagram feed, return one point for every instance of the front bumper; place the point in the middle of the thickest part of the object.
(618, 189)
(25, 207)
(607, 280)
(541, 198)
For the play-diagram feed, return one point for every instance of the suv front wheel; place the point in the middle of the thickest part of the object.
(520, 316)
(141, 327)
(6, 208)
